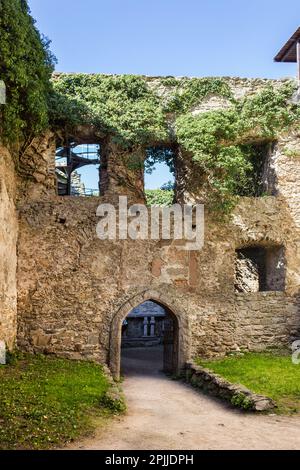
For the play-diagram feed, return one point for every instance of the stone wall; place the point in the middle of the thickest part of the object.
(8, 257)
(237, 395)
(71, 284)
(74, 290)
(36, 168)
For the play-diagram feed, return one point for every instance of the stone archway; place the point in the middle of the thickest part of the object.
(181, 348)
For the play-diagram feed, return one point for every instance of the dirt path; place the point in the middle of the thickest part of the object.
(166, 414)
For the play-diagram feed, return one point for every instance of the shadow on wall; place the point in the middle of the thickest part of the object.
(260, 268)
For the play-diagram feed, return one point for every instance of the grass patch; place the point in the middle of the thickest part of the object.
(47, 401)
(270, 374)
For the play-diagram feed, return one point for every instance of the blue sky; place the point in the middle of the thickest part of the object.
(169, 37)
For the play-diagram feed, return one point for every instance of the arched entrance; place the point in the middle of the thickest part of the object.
(149, 340)
(174, 339)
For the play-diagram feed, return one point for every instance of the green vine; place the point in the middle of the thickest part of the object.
(123, 106)
(26, 65)
(139, 112)
(189, 92)
(221, 141)
(142, 113)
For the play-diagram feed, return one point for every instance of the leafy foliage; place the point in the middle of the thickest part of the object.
(169, 186)
(136, 114)
(26, 65)
(122, 106)
(140, 113)
(189, 92)
(126, 106)
(218, 139)
(159, 154)
(159, 197)
(252, 184)
(113, 400)
(267, 112)
(241, 401)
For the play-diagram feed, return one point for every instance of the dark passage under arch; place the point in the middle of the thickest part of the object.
(149, 340)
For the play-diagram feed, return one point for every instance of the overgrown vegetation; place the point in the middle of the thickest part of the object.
(165, 195)
(138, 112)
(189, 92)
(159, 197)
(159, 154)
(46, 401)
(26, 65)
(253, 184)
(122, 106)
(241, 401)
(270, 374)
(221, 142)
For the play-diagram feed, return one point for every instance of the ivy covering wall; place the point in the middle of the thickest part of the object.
(26, 65)
(138, 112)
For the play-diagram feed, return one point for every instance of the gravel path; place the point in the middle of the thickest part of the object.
(167, 414)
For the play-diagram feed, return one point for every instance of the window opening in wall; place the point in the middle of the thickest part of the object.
(159, 175)
(258, 180)
(77, 170)
(260, 268)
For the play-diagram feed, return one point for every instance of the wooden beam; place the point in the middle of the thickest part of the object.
(287, 52)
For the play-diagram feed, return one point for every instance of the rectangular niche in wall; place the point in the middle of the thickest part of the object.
(259, 268)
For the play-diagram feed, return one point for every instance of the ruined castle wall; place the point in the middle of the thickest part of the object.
(125, 172)
(8, 241)
(71, 284)
(36, 169)
(190, 186)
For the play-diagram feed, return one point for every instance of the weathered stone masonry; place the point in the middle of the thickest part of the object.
(8, 257)
(74, 289)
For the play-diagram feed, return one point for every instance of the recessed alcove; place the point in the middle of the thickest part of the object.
(260, 268)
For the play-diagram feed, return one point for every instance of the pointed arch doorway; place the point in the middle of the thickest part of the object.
(167, 332)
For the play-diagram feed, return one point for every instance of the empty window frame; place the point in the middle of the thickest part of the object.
(259, 268)
(77, 170)
(259, 180)
(159, 175)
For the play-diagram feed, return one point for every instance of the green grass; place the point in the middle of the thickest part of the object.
(46, 401)
(270, 374)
